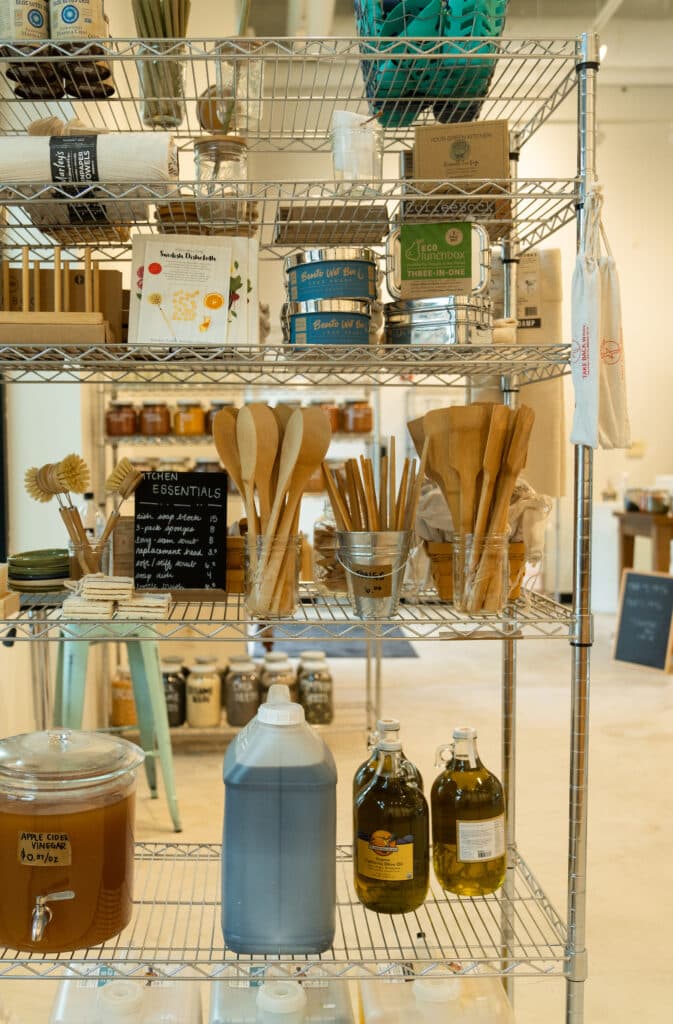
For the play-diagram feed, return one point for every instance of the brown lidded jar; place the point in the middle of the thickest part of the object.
(333, 413)
(155, 419)
(189, 419)
(358, 418)
(121, 420)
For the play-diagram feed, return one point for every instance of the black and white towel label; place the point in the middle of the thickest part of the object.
(180, 540)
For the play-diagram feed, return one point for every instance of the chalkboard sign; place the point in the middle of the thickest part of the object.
(645, 619)
(180, 532)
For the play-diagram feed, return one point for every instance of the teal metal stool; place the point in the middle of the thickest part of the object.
(148, 691)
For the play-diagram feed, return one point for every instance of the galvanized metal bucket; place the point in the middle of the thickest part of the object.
(374, 564)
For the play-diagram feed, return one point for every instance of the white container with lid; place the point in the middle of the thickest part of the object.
(204, 700)
(279, 841)
(86, 1000)
(315, 1002)
(470, 1000)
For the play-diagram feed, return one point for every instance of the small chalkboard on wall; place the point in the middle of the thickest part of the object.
(180, 536)
(645, 620)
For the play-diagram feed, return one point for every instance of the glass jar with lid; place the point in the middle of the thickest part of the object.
(204, 702)
(278, 669)
(154, 419)
(61, 886)
(175, 690)
(316, 691)
(242, 694)
(121, 420)
(358, 417)
(189, 418)
(329, 574)
(207, 466)
(220, 160)
(305, 656)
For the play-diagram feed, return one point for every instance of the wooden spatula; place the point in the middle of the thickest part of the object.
(436, 427)
(268, 436)
(467, 436)
(224, 436)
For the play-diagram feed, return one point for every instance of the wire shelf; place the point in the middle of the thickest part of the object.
(315, 365)
(305, 80)
(533, 616)
(286, 215)
(199, 440)
(176, 930)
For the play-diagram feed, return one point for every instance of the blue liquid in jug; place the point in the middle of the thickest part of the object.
(279, 858)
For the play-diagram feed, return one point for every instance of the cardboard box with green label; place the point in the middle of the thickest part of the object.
(435, 260)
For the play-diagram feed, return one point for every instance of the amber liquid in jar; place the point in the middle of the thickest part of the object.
(155, 419)
(98, 841)
(189, 420)
(358, 418)
(121, 420)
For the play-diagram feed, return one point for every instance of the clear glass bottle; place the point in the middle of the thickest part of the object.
(387, 729)
(278, 669)
(391, 842)
(468, 821)
(316, 691)
(204, 708)
(242, 693)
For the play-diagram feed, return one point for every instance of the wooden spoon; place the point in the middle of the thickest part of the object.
(268, 439)
(467, 436)
(224, 436)
(289, 451)
(246, 439)
(436, 428)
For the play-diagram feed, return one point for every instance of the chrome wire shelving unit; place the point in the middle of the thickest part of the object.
(533, 616)
(176, 931)
(317, 365)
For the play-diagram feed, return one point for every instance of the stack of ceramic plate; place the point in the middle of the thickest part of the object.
(38, 572)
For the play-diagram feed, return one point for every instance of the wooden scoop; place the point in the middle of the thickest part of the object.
(224, 436)
(268, 439)
(467, 436)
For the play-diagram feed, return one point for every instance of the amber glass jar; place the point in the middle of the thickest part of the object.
(155, 419)
(189, 419)
(121, 420)
(333, 413)
(358, 418)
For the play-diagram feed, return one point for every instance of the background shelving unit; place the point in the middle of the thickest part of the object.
(176, 926)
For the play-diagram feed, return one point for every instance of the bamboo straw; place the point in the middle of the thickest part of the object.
(383, 494)
(392, 491)
(36, 286)
(5, 286)
(402, 496)
(342, 487)
(88, 296)
(57, 279)
(356, 515)
(341, 515)
(404, 507)
(360, 491)
(25, 279)
(370, 493)
(415, 495)
(66, 286)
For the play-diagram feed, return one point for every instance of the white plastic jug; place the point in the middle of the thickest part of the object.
(96, 1001)
(281, 1002)
(279, 841)
(470, 1000)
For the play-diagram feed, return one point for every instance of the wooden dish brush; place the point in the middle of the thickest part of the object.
(121, 482)
(58, 480)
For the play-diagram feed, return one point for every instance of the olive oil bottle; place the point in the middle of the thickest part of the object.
(386, 729)
(468, 822)
(391, 854)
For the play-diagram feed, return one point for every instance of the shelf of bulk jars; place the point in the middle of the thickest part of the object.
(196, 440)
(286, 216)
(532, 616)
(305, 80)
(317, 365)
(176, 930)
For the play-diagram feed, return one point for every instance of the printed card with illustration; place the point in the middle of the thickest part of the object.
(183, 290)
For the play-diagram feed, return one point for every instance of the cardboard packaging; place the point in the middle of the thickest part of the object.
(455, 152)
(110, 296)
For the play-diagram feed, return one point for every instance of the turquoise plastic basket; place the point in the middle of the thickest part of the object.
(398, 90)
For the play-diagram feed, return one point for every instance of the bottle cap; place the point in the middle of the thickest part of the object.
(279, 709)
(464, 732)
(121, 1001)
(389, 746)
(385, 725)
(436, 990)
(281, 997)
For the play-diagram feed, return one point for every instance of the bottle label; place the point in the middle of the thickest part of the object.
(385, 857)
(44, 849)
(481, 840)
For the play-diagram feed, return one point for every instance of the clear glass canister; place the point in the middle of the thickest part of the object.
(328, 573)
(189, 419)
(278, 669)
(305, 656)
(242, 693)
(316, 694)
(204, 707)
(67, 811)
(222, 159)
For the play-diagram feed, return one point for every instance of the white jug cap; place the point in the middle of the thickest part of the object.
(279, 709)
(282, 997)
(437, 990)
(121, 1001)
(387, 725)
(464, 732)
(389, 746)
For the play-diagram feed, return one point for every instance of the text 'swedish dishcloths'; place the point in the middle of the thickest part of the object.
(117, 159)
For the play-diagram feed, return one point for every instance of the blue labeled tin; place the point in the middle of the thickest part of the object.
(346, 273)
(327, 322)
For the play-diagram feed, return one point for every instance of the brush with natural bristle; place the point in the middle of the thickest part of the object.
(122, 482)
(33, 486)
(74, 474)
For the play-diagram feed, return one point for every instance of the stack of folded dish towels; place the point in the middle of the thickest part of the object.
(105, 597)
